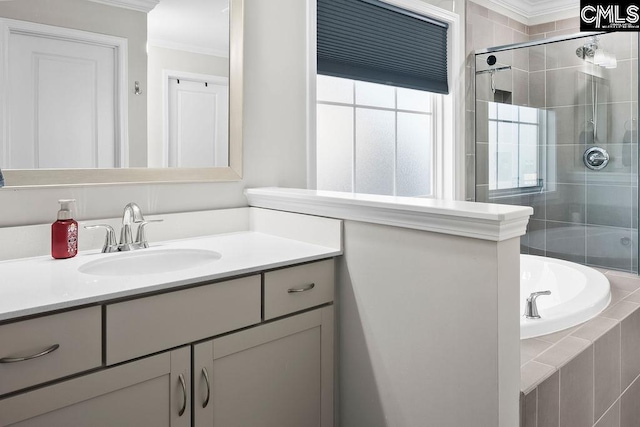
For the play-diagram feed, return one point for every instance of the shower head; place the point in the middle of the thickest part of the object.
(593, 53)
(588, 50)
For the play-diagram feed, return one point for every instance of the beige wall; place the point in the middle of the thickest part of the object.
(97, 18)
(176, 60)
(554, 28)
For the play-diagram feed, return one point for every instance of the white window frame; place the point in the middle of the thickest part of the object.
(449, 160)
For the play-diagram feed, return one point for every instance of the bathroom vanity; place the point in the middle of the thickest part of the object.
(244, 340)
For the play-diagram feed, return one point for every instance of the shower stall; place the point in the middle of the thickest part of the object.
(556, 128)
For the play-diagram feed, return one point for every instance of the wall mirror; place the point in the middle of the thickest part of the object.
(120, 91)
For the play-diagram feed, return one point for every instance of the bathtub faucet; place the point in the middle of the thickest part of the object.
(531, 307)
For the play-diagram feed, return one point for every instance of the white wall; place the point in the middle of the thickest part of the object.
(274, 123)
(427, 337)
(274, 131)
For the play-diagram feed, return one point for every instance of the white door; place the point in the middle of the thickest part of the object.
(198, 123)
(62, 104)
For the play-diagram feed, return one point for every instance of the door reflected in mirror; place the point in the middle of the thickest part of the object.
(91, 85)
(188, 70)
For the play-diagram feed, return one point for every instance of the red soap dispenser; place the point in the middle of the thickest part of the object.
(64, 232)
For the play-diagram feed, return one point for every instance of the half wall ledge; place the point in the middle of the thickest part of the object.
(469, 219)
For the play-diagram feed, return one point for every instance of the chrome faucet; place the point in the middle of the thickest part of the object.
(132, 214)
(531, 307)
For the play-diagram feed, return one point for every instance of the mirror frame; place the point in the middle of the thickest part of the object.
(16, 178)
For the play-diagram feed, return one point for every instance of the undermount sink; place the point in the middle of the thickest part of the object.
(149, 262)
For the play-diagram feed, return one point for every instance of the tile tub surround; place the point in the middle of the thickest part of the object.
(588, 375)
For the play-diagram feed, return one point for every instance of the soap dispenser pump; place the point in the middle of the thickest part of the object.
(64, 232)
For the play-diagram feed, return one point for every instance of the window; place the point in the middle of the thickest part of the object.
(514, 132)
(374, 138)
(385, 119)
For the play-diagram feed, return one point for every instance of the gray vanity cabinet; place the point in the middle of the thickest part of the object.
(258, 349)
(278, 374)
(146, 392)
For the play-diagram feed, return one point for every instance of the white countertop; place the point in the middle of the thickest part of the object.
(487, 221)
(42, 284)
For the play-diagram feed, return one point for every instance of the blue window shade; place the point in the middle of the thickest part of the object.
(376, 42)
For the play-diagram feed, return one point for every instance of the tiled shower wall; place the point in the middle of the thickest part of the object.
(590, 217)
(487, 28)
(484, 28)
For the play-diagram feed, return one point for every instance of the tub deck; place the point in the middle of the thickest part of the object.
(587, 372)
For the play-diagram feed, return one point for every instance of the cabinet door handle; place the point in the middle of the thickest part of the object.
(205, 374)
(302, 289)
(184, 395)
(33, 356)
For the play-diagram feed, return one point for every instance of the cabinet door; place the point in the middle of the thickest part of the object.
(147, 392)
(279, 374)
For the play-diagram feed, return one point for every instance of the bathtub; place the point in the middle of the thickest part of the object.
(578, 293)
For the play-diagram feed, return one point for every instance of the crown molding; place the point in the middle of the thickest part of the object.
(191, 48)
(535, 8)
(559, 15)
(139, 5)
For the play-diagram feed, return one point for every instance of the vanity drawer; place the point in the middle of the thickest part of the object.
(297, 288)
(77, 335)
(146, 325)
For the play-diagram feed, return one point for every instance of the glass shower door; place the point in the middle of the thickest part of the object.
(556, 129)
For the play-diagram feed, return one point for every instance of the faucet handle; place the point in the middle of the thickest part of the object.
(531, 308)
(141, 237)
(535, 295)
(110, 242)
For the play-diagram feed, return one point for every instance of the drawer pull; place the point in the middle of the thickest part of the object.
(33, 356)
(302, 289)
(184, 395)
(205, 374)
